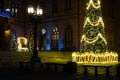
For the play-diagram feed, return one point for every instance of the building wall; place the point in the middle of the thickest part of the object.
(73, 17)
(4, 34)
(117, 26)
(61, 19)
(111, 21)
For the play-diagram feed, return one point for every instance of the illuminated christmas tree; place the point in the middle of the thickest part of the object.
(30, 41)
(93, 38)
(13, 42)
(93, 43)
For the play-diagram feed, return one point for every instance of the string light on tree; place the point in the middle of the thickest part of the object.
(95, 5)
(94, 45)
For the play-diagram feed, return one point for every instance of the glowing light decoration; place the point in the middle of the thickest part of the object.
(90, 57)
(93, 43)
(22, 44)
(7, 32)
(95, 5)
(95, 23)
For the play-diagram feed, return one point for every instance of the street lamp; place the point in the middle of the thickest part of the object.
(35, 15)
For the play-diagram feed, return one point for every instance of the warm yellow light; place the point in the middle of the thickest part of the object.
(20, 48)
(93, 40)
(30, 10)
(107, 57)
(95, 5)
(7, 32)
(95, 23)
(39, 11)
(91, 57)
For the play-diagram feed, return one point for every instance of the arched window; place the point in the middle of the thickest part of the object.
(54, 38)
(68, 37)
(14, 9)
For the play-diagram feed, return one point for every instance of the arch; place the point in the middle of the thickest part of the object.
(54, 38)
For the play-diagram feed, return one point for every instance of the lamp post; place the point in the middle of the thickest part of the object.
(35, 15)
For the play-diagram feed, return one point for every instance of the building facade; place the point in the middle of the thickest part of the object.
(60, 27)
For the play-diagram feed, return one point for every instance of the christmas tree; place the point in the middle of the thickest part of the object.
(30, 41)
(13, 42)
(93, 43)
(93, 38)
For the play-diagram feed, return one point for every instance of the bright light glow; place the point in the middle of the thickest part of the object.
(91, 41)
(7, 32)
(108, 57)
(30, 10)
(92, 57)
(21, 41)
(95, 23)
(33, 11)
(39, 11)
(7, 10)
(95, 5)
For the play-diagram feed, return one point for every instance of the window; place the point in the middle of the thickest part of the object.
(68, 5)
(54, 6)
(14, 9)
(54, 38)
(68, 37)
